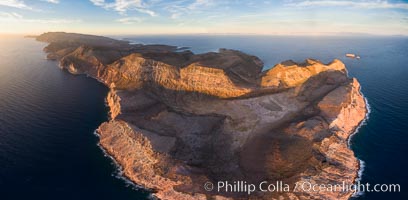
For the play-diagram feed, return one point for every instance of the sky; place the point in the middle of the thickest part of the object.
(266, 17)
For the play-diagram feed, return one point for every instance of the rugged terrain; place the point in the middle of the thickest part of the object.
(179, 120)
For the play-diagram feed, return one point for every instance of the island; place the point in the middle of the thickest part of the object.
(179, 120)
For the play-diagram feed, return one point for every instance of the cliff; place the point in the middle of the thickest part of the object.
(179, 120)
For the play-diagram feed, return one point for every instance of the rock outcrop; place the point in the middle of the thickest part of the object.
(179, 120)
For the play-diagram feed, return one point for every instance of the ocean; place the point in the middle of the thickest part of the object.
(47, 119)
(48, 116)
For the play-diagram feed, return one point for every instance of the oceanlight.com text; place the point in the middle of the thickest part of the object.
(302, 186)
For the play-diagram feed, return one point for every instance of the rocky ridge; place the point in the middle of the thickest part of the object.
(179, 120)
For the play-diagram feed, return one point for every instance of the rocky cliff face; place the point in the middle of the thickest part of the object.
(179, 120)
(113, 102)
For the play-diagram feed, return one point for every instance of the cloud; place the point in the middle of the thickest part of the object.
(146, 11)
(356, 4)
(51, 1)
(15, 4)
(123, 6)
(175, 15)
(12, 17)
(180, 7)
(199, 4)
(130, 20)
(98, 2)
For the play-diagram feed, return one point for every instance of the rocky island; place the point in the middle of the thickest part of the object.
(180, 120)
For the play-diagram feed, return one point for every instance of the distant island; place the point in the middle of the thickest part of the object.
(180, 120)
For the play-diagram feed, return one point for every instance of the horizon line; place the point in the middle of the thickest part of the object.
(215, 34)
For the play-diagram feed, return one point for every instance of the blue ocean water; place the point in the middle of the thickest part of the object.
(47, 116)
(47, 120)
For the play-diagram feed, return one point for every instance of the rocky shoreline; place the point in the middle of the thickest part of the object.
(180, 120)
(361, 163)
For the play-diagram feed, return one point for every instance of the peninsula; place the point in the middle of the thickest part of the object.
(180, 120)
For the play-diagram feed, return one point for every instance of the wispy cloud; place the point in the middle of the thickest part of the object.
(200, 3)
(11, 17)
(175, 15)
(146, 11)
(130, 20)
(15, 4)
(180, 7)
(123, 6)
(51, 1)
(357, 4)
